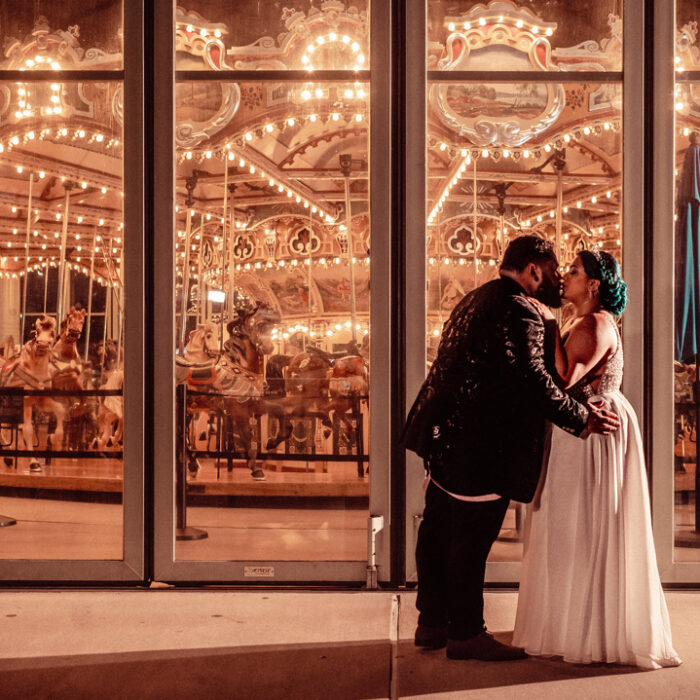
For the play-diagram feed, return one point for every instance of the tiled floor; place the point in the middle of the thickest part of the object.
(56, 529)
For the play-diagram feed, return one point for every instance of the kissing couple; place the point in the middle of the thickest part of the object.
(513, 408)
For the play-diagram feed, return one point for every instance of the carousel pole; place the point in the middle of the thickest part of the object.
(439, 269)
(89, 308)
(190, 184)
(113, 280)
(345, 167)
(224, 254)
(309, 277)
(46, 285)
(120, 311)
(476, 277)
(232, 262)
(559, 163)
(108, 297)
(26, 257)
(67, 186)
(203, 300)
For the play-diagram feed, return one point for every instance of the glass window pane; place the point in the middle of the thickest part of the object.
(273, 282)
(687, 110)
(254, 35)
(85, 35)
(542, 35)
(558, 175)
(61, 320)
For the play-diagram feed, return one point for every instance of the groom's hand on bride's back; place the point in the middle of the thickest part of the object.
(600, 420)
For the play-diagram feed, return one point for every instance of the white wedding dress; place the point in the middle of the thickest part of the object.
(590, 588)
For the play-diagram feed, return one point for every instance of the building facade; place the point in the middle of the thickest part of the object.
(231, 234)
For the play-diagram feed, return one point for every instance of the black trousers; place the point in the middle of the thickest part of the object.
(454, 541)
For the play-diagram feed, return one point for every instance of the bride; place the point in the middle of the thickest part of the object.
(590, 588)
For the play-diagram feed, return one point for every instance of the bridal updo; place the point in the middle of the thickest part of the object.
(602, 266)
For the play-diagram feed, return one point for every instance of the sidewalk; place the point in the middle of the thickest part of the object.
(286, 644)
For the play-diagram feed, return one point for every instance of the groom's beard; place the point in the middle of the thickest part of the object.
(549, 293)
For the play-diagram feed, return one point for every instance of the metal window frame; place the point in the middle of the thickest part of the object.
(131, 567)
(633, 229)
(166, 567)
(663, 300)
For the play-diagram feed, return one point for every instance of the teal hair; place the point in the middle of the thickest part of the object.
(600, 265)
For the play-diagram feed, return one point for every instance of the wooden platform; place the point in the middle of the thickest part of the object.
(336, 480)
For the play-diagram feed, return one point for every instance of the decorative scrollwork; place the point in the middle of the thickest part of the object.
(243, 247)
(463, 241)
(304, 241)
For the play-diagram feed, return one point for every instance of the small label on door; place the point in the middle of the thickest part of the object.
(259, 571)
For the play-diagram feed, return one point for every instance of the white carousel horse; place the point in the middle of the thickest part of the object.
(110, 415)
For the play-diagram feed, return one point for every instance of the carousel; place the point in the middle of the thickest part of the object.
(273, 229)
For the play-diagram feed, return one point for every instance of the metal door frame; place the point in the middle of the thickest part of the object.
(633, 231)
(131, 567)
(166, 567)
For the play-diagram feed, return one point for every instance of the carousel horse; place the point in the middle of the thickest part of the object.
(203, 345)
(235, 380)
(65, 350)
(33, 370)
(349, 383)
(110, 414)
(297, 385)
(107, 373)
(70, 374)
(316, 384)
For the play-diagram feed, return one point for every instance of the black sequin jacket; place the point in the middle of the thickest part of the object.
(479, 418)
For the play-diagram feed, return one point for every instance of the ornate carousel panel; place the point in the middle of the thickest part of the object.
(508, 157)
(251, 35)
(61, 316)
(686, 224)
(272, 297)
(538, 35)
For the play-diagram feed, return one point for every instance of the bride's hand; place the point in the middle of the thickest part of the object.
(601, 419)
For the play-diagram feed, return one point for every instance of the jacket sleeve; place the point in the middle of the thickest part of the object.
(524, 333)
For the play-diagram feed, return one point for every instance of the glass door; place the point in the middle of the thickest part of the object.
(675, 339)
(514, 147)
(71, 284)
(272, 228)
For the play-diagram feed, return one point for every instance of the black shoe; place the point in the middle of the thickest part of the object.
(483, 647)
(258, 474)
(430, 637)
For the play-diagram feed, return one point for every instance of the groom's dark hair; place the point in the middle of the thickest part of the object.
(527, 249)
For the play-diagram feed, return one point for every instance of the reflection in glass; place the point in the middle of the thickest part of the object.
(253, 35)
(587, 35)
(508, 158)
(687, 229)
(85, 35)
(61, 320)
(272, 318)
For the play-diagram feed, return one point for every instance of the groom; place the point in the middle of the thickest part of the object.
(478, 422)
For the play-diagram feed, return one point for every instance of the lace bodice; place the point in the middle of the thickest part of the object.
(610, 377)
